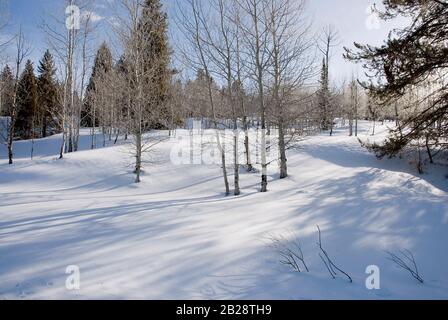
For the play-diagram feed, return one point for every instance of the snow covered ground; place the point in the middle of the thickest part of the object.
(175, 236)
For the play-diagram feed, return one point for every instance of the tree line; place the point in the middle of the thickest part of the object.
(34, 99)
(240, 64)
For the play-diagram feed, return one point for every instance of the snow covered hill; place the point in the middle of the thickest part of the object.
(175, 236)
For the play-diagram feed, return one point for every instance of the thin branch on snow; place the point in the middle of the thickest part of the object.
(329, 264)
(290, 251)
(407, 263)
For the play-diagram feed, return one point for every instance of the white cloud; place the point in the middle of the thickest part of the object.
(94, 17)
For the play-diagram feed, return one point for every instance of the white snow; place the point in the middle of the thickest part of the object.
(175, 236)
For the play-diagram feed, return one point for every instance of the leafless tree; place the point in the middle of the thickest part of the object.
(354, 107)
(220, 46)
(241, 75)
(144, 103)
(4, 19)
(256, 41)
(69, 41)
(87, 29)
(291, 64)
(327, 41)
(22, 51)
(63, 44)
(194, 28)
(132, 42)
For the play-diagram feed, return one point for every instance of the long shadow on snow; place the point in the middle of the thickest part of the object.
(359, 223)
(355, 156)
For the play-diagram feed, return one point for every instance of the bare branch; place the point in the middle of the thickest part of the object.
(407, 262)
(332, 268)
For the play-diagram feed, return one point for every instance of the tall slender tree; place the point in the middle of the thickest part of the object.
(194, 30)
(256, 36)
(47, 92)
(324, 98)
(26, 102)
(291, 66)
(96, 101)
(327, 41)
(22, 51)
(144, 34)
(6, 91)
(103, 64)
(153, 27)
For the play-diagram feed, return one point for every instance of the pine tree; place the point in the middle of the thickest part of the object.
(103, 65)
(6, 91)
(47, 91)
(123, 97)
(412, 57)
(324, 98)
(27, 102)
(154, 31)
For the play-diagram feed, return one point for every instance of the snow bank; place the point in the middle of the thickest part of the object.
(176, 236)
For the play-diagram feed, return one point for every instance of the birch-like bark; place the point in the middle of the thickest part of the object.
(21, 53)
(193, 32)
(254, 8)
(83, 76)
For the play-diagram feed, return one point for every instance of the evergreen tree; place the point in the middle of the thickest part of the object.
(199, 104)
(6, 91)
(26, 102)
(412, 57)
(47, 91)
(103, 65)
(324, 98)
(154, 31)
(123, 96)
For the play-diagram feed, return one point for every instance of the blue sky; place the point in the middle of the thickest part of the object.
(350, 17)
